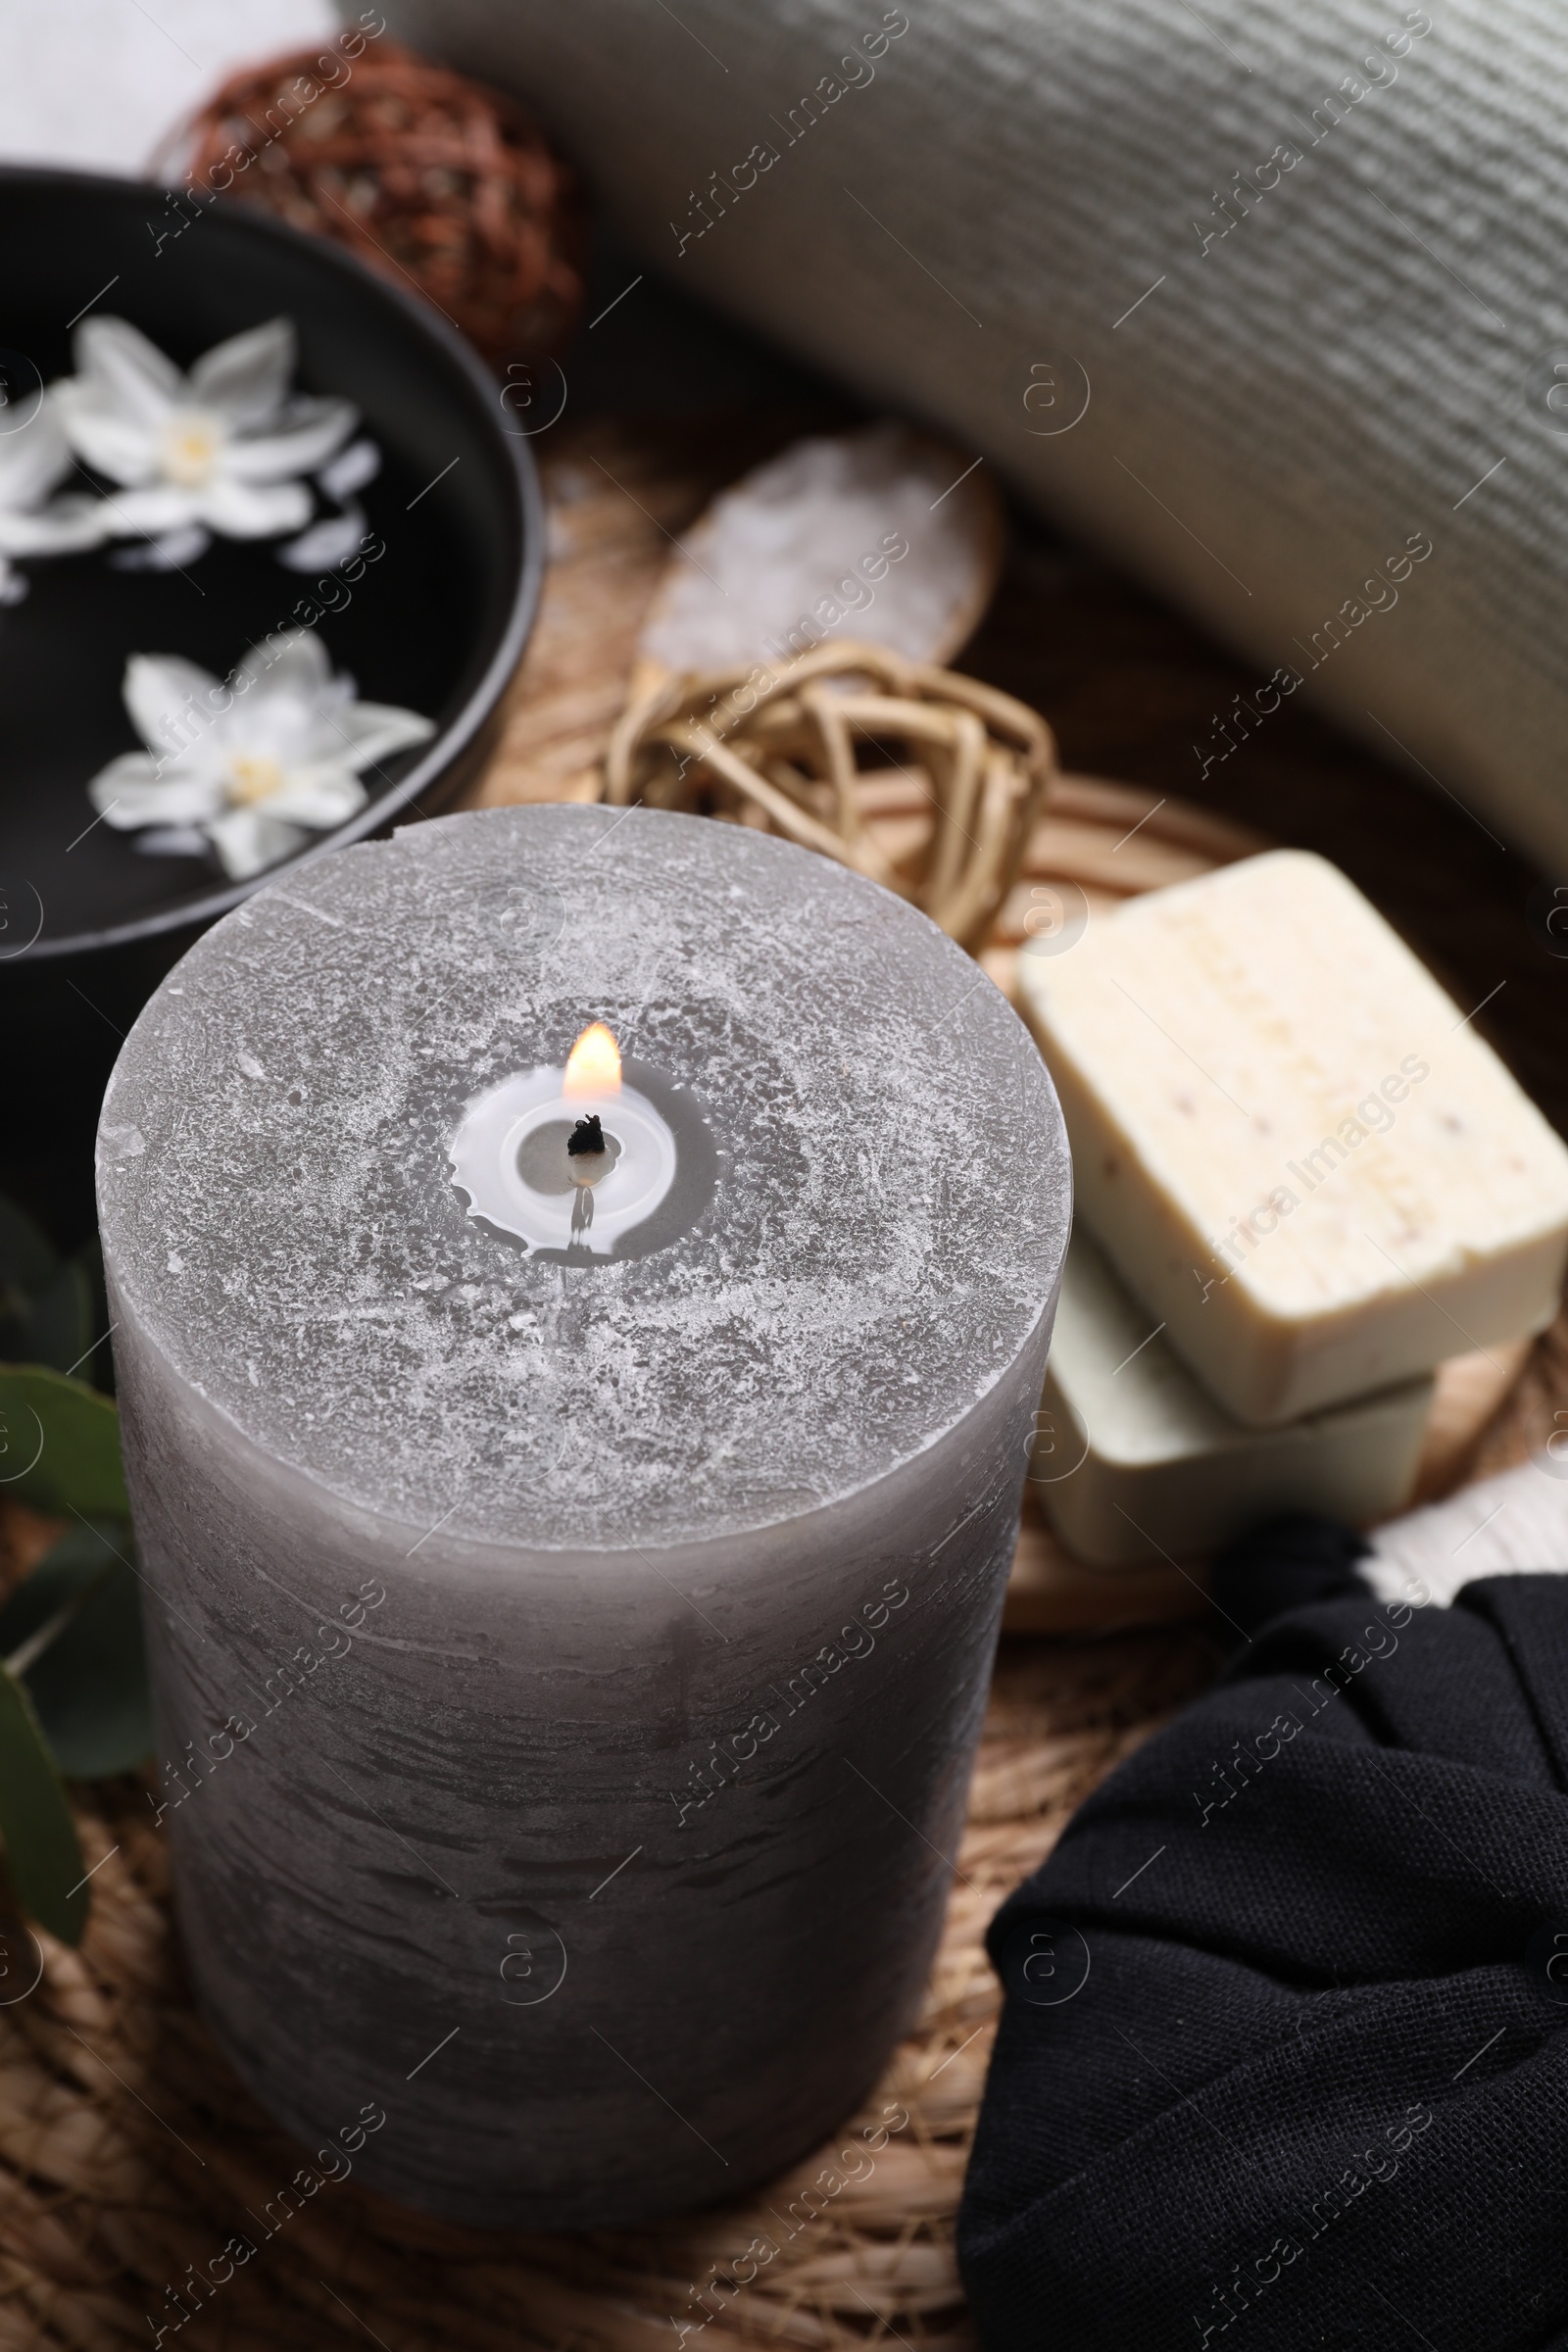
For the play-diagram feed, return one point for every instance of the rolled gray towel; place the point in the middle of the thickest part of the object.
(1267, 301)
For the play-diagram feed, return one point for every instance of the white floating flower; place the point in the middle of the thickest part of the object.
(222, 448)
(257, 763)
(333, 540)
(34, 456)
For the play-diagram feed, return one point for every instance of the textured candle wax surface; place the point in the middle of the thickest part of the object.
(692, 1563)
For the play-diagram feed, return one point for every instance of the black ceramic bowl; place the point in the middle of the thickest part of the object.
(88, 921)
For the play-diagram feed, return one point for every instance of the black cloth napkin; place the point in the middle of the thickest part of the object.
(1282, 2061)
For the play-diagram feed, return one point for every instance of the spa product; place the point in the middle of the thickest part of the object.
(1134, 1460)
(881, 535)
(1228, 370)
(1291, 1976)
(1516, 1520)
(1300, 1155)
(569, 1658)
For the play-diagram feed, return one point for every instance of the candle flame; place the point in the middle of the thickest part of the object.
(593, 1066)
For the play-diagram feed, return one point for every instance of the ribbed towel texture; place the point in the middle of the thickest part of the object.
(1304, 266)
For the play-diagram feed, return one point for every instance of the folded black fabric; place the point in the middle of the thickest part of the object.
(1282, 2060)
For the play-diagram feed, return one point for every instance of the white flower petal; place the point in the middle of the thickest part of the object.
(247, 510)
(359, 464)
(73, 505)
(247, 378)
(35, 458)
(170, 700)
(129, 791)
(129, 374)
(119, 446)
(294, 661)
(124, 770)
(326, 544)
(372, 731)
(69, 524)
(297, 444)
(278, 727)
(246, 840)
(172, 841)
(321, 796)
(148, 513)
(280, 689)
(171, 551)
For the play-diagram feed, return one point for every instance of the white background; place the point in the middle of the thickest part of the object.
(98, 83)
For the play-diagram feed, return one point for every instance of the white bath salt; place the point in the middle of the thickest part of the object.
(1298, 1154)
(1134, 1460)
(872, 534)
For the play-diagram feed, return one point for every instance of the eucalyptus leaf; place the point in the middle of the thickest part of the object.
(99, 1365)
(57, 1330)
(28, 1266)
(89, 1685)
(27, 1261)
(42, 1856)
(59, 1445)
(53, 1311)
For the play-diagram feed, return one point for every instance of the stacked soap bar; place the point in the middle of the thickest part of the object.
(1307, 1170)
(1134, 1458)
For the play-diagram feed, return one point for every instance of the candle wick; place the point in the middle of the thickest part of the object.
(586, 1136)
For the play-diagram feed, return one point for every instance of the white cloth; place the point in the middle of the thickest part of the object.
(1004, 205)
(96, 84)
(1517, 1520)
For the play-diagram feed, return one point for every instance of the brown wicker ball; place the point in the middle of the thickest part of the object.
(436, 181)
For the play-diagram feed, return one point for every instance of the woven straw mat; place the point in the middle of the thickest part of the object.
(130, 2154)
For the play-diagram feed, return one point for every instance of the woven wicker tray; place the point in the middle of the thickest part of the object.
(129, 2155)
(618, 499)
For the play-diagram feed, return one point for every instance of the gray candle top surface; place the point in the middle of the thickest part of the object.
(278, 1212)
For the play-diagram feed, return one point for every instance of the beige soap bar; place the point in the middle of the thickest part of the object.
(1134, 1462)
(1292, 1145)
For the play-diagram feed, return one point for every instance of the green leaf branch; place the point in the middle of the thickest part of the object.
(60, 1445)
(74, 1693)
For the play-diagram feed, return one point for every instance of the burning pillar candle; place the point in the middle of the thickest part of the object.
(570, 1630)
(533, 1156)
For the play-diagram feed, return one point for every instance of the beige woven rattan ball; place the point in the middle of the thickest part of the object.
(813, 749)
